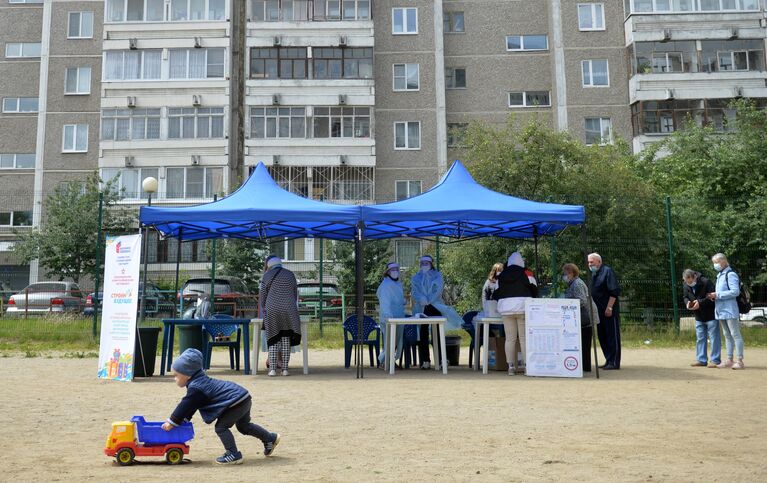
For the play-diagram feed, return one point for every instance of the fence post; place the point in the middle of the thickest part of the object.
(672, 261)
(98, 268)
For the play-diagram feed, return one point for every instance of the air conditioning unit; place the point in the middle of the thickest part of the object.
(669, 94)
(197, 42)
(275, 99)
(763, 22)
(341, 99)
(133, 43)
(737, 93)
(733, 33)
(130, 161)
(196, 100)
(342, 40)
(131, 101)
(666, 35)
(276, 41)
(343, 159)
(276, 159)
(195, 160)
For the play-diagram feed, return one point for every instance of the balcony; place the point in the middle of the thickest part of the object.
(309, 10)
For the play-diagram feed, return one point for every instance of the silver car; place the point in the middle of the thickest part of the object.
(46, 297)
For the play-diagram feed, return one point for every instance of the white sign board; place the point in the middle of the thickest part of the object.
(553, 337)
(122, 263)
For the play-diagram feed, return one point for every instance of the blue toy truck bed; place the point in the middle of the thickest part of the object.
(151, 433)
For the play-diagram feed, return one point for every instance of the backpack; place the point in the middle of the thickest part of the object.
(743, 298)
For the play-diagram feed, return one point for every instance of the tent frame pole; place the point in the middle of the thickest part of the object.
(359, 268)
(591, 302)
(178, 264)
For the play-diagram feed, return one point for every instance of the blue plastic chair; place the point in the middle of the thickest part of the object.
(468, 326)
(410, 346)
(350, 337)
(223, 335)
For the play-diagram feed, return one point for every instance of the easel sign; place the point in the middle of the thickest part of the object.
(553, 342)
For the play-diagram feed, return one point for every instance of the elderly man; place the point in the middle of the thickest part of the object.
(726, 310)
(605, 292)
(278, 305)
(696, 288)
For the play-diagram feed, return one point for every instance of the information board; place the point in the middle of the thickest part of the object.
(553, 337)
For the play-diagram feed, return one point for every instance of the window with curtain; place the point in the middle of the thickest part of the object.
(75, 138)
(341, 122)
(407, 135)
(598, 130)
(133, 65)
(198, 182)
(80, 25)
(129, 124)
(595, 73)
(200, 123)
(78, 80)
(197, 63)
(277, 122)
(406, 77)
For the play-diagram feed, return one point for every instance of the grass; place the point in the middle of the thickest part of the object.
(72, 336)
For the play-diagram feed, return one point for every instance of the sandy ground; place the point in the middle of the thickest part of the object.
(656, 420)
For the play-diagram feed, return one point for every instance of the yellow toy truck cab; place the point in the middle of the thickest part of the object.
(122, 432)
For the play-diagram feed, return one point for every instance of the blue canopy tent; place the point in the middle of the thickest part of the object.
(457, 207)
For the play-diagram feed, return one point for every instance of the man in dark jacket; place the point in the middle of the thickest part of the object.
(696, 287)
(605, 292)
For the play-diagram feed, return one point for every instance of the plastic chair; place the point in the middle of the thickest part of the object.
(410, 346)
(468, 326)
(221, 336)
(350, 337)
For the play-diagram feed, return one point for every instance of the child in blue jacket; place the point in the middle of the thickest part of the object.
(222, 401)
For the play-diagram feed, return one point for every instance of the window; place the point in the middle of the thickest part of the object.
(20, 104)
(404, 21)
(341, 122)
(194, 182)
(455, 134)
(75, 138)
(598, 130)
(667, 62)
(129, 181)
(591, 16)
(406, 189)
(527, 42)
(730, 61)
(278, 63)
(595, 73)
(407, 252)
(27, 49)
(17, 161)
(530, 99)
(135, 10)
(277, 122)
(406, 77)
(77, 80)
(133, 65)
(197, 63)
(25, 1)
(196, 123)
(453, 22)
(338, 63)
(732, 55)
(129, 124)
(15, 218)
(184, 10)
(407, 135)
(642, 6)
(455, 77)
(80, 25)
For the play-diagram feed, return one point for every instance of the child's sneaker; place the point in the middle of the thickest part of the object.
(230, 458)
(269, 447)
(285, 372)
(272, 373)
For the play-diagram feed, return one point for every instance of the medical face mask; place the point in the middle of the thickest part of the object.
(425, 268)
(394, 274)
(718, 267)
(593, 269)
(691, 284)
(565, 278)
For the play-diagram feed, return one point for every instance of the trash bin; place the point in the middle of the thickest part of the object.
(453, 349)
(147, 336)
(189, 337)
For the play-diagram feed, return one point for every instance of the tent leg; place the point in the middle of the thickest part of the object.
(360, 286)
(537, 260)
(176, 315)
(591, 307)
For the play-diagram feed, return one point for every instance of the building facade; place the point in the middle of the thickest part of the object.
(348, 101)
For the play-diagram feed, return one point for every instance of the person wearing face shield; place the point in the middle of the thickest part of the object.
(391, 304)
(426, 288)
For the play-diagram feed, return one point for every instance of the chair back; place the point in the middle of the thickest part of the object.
(221, 331)
(368, 326)
(410, 334)
(468, 317)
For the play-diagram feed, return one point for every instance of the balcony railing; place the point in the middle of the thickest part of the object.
(309, 10)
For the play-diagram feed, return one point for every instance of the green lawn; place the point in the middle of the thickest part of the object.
(73, 336)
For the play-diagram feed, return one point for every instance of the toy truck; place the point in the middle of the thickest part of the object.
(137, 437)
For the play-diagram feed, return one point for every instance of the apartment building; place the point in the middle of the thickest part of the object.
(349, 101)
(50, 72)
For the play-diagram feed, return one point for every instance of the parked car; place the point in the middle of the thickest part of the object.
(309, 299)
(158, 303)
(230, 295)
(757, 317)
(5, 293)
(46, 297)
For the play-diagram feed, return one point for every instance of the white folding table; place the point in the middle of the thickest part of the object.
(256, 347)
(485, 323)
(437, 327)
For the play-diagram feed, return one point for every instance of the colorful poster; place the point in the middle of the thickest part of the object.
(553, 330)
(119, 305)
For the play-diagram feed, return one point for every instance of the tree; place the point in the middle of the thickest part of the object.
(535, 162)
(377, 254)
(242, 258)
(66, 241)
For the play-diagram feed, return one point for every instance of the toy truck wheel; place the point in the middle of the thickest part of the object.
(174, 456)
(125, 457)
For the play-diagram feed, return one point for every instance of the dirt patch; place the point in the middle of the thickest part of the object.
(655, 420)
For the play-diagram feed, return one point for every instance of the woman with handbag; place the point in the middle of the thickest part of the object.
(577, 289)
